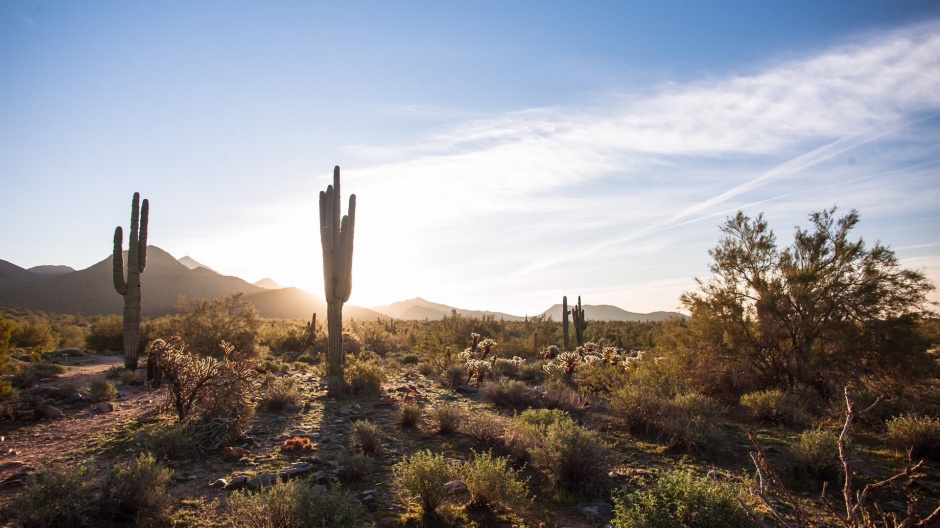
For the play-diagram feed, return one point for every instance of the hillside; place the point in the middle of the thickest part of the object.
(606, 312)
(419, 309)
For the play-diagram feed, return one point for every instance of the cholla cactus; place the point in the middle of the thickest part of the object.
(550, 352)
(569, 361)
(479, 369)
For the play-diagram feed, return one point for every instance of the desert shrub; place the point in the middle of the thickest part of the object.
(309, 359)
(601, 377)
(363, 376)
(507, 392)
(326, 507)
(679, 499)
(921, 434)
(454, 376)
(131, 377)
(504, 367)
(136, 491)
(448, 417)
(542, 418)
(222, 392)
(33, 332)
(777, 406)
(532, 371)
(106, 334)
(367, 437)
(491, 481)
(486, 428)
(689, 422)
(575, 458)
(355, 466)
(426, 369)
(409, 415)
(101, 390)
(817, 453)
(167, 441)
(281, 393)
(558, 395)
(422, 477)
(641, 408)
(206, 323)
(410, 359)
(55, 496)
(268, 508)
(29, 374)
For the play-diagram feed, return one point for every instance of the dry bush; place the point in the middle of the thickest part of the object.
(298, 444)
(363, 376)
(777, 406)
(367, 437)
(687, 420)
(422, 478)
(507, 392)
(491, 481)
(920, 434)
(136, 491)
(486, 428)
(558, 395)
(449, 417)
(131, 377)
(408, 415)
(280, 393)
(576, 459)
(817, 453)
(454, 376)
(55, 496)
(167, 441)
(101, 390)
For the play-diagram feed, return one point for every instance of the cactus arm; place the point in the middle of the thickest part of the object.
(326, 240)
(142, 243)
(117, 260)
(349, 231)
(133, 245)
(337, 213)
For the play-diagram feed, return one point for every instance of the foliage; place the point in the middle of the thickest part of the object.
(817, 453)
(680, 499)
(33, 332)
(575, 457)
(422, 477)
(31, 373)
(486, 428)
(821, 312)
(409, 415)
(136, 491)
(101, 390)
(363, 376)
(167, 441)
(6, 331)
(273, 507)
(106, 333)
(131, 377)
(777, 406)
(558, 395)
(505, 391)
(367, 437)
(491, 481)
(686, 420)
(449, 417)
(206, 323)
(921, 434)
(55, 496)
(280, 393)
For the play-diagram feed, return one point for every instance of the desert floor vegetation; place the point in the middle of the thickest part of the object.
(435, 432)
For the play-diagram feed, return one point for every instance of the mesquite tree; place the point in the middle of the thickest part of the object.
(336, 238)
(129, 287)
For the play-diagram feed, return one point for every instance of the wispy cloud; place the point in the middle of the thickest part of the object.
(549, 187)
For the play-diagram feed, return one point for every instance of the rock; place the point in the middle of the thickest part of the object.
(447, 397)
(314, 436)
(595, 509)
(72, 398)
(238, 482)
(467, 389)
(231, 454)
(455, 486)
(294, 408)
(48, 412)
(295, 470)
(298, 432)
(219, 483)
(263, 480)
(105, 407)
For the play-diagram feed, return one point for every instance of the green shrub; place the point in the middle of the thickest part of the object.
(101, 390)
(689, 421)
(575, 458)
(363, 377)
(131, 377)
(114, 372)
(679, 499)
(486, 428)
(422, 477)
(55, 496)
(425, 369)
(641, 408)
(817, 453)
(454, 375)
(449, 417)
(136, 491)
(206, 323)
(410, 359)
(295, 504)
(774, 405)
(558, 395)
(29, 374)
(280, 393)
(408, 415)
(506, 392)
(491, 481)
(167, 441)
(367, 437)
(921, 434)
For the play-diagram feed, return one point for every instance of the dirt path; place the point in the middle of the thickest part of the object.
(25, 444)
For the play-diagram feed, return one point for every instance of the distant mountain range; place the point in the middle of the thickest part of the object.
(166, 280)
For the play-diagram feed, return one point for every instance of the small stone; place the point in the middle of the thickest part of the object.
(297, 432)
(595, 509)
(467, 389)
(237, 482)
(106, 407)
(263, 480)
(455, 486)
(232, 454)
(72, 398)
(48, 412)
(219, 483)
(294, 408)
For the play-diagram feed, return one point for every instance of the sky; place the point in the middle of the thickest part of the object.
(503, 154)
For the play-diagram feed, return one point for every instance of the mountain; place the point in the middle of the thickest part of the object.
(12, 275)
(268, 284)
(606, 312)
(192, 263)
(50, 271)
(419, 308)
(165, 280)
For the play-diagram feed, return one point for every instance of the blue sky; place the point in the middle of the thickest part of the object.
(503, 153)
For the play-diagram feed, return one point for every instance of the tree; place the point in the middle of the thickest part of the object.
(820, 312)
(205, 324)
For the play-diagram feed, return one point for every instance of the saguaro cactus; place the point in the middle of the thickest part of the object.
(580, 323)
(129, 287)
(336, 238)
(564, 318)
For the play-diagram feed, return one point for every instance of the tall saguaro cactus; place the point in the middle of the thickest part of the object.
(336, 238)
(580, 323)
(564, 318)
(129, 287)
